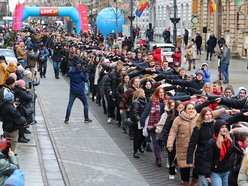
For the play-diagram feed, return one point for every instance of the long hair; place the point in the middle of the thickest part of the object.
(220, 139)
(155, 95)
(175, 112)
(139, 93)
(201, 116)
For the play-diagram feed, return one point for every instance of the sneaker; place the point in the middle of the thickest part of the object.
(87, 120)
(66, 121)
(27, 131)
(171, 177)
(109, 120)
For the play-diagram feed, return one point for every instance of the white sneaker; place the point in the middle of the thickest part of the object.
(171, 177)
(109, 120)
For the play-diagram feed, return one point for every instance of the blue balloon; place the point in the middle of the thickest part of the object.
(106, 21)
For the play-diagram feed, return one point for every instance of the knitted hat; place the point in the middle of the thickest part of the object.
(218, 124)
(9, 96)
(20, 83)
(199, 72)
(204, 64)
(10, 81)
(27, 72)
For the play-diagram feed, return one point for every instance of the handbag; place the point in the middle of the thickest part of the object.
(42, 59)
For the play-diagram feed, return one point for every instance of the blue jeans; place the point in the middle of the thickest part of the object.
(224, 68)
(56, 67)
(42, 68)
(83, 99)
(202, 180)
(219, 179)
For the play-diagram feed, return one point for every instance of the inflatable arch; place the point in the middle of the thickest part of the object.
(78, 14)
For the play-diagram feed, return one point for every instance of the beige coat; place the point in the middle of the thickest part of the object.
(181, 131)
(3, 67)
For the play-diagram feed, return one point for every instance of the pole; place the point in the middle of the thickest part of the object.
(175, 20)
(131, 18)
(175, 24)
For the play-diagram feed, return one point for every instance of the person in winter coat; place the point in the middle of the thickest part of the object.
(243, 173)
(12, 119)
(3, 67)
(181, 131)
(217, 155)
(238, 149)
(31, 60)
(189, 56)
(137, 107)
(7, 165)
(197, 83)
(202, 133)
(154, 109)
(57, 57)
(177, 56)
(207, 75)
(198, 42)
(24, 98)
(166, 120)
(77, 90)
(11, 68)
(211, 43)
(42, 59)
(240, 93)
(225, 61)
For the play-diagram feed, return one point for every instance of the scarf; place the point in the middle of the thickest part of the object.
(224, 147)
(154, 115)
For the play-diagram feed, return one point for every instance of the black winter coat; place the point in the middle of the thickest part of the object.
(237, 104)
(235, 163)
(198, 141)
(211, 158)
(137, 107)
(195, 84)
(12, 119)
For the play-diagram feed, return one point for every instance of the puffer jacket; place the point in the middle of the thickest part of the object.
(137, 107)
(77, 81)
(181, 131)
(235, 163)
(211, 158)
(7, 167)
(12, 119)
(198, 143)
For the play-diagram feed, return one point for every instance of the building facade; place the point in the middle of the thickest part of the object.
(159, 13)
(229, 19)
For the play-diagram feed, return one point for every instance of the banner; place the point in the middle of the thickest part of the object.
(194, 7)
(212, 6)
(46, 11)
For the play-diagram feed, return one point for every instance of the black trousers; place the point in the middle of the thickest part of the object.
(137, 138)
(185, 174)
(171, 158)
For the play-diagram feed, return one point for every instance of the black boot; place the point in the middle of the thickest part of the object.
(22, 140)
(141, 150)
(148, 148)
(135, 155)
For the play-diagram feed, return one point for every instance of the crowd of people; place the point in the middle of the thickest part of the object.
(159, 105)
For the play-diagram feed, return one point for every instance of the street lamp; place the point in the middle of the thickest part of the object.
(175, 20)
(131, 18)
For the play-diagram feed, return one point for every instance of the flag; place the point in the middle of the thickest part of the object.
(212, 6)
(141, 7)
